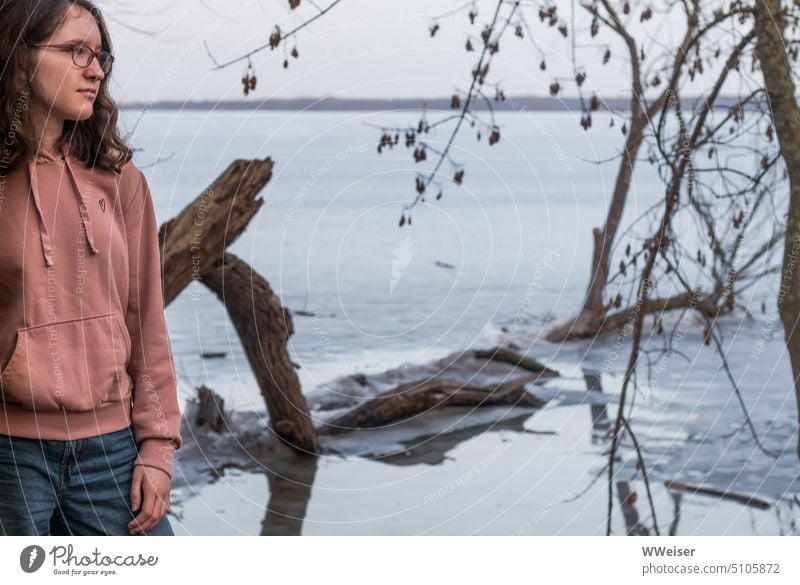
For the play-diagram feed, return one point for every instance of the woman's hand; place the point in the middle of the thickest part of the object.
(150, 489)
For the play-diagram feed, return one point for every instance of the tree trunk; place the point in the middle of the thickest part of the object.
(588, 322)
(264, 327)
(591, 318)
(195, 238)
(770, 26)
(422, 396)
(193, 246)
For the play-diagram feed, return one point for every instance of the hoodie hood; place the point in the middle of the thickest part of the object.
(68, 159)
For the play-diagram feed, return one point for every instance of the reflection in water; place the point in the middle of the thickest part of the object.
(676, 514)
(290, 483)
(601, 425)
(627, 498)
(432, 449)
(291, 477)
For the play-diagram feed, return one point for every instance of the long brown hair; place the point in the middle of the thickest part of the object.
(95, 140)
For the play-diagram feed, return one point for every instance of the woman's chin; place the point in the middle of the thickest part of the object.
(82, 112)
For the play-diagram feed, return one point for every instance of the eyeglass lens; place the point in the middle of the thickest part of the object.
(82, 56)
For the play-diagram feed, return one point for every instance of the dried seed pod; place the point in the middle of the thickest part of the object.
(486, 33)
(275, 37)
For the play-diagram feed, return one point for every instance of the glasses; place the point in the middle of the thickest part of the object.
(82, 56)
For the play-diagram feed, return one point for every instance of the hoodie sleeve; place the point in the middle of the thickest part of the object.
(156, 415)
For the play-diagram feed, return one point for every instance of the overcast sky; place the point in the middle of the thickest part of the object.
(361, 48)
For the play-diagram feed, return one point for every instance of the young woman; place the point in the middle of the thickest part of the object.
(89, 416)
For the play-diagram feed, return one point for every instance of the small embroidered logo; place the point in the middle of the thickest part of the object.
(102, 203)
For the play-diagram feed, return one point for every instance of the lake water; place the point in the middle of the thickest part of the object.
(516, 239)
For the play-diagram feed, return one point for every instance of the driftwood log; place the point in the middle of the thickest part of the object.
(194, 240)
(264, 327)
(193, 247)
(211, 410)
(752, 501)
(415, 398)
(506, 355)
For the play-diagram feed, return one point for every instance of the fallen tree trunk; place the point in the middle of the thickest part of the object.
(509, 356)
(194, 240)
(740, 498)
(708, 304)
(193, 246)
(264, 327)
(418, 397)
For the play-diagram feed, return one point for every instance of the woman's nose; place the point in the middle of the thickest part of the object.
(94, 70)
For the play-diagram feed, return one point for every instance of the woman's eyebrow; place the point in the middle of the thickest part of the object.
(83, 42)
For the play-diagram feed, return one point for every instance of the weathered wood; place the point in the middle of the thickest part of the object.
(740, 498)
(509, 356)
(211, 410)
(193, 245)
(770, 25)
(417, 397)
(194, 239)
(264, 326)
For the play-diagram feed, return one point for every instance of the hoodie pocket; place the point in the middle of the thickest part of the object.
(75, 365)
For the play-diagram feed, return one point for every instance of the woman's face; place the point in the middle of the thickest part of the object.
(62, 90)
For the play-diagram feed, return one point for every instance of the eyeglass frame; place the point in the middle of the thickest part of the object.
(95, 55)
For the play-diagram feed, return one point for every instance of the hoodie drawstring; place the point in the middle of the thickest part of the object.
(84, 211)
(47, 246)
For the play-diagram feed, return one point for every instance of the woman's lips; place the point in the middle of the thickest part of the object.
(88, 93)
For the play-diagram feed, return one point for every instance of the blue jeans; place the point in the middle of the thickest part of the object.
(69, 488)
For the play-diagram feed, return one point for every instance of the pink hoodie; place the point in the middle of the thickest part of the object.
(84, 347)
